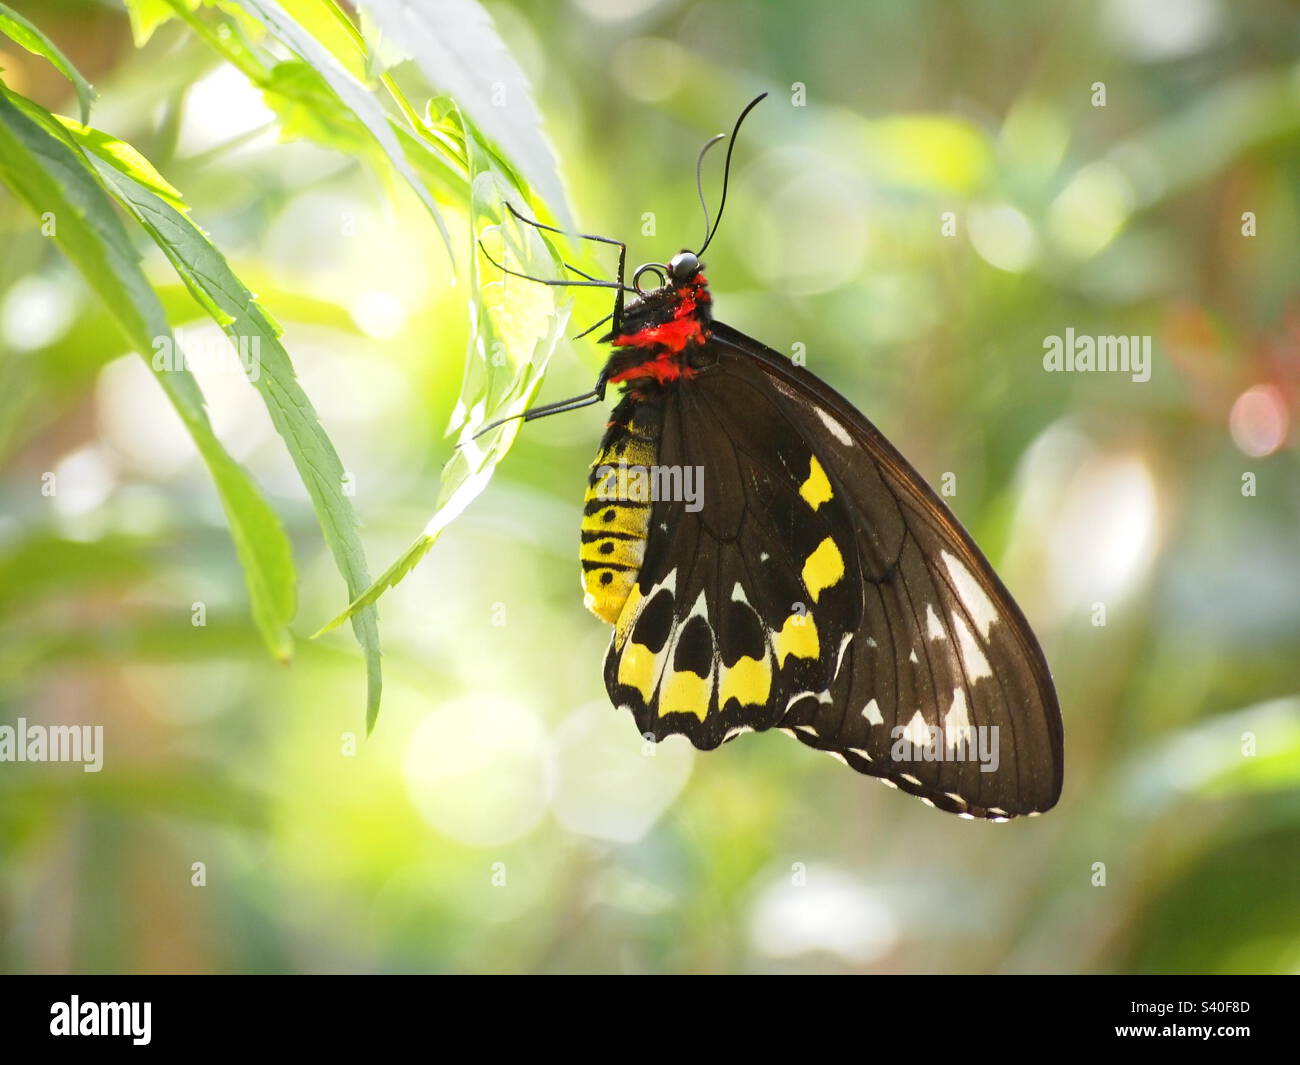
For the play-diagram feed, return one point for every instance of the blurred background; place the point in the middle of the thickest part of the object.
(503, 817)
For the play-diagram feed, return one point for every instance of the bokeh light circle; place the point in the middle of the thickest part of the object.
(475, 768)
(1259, 420)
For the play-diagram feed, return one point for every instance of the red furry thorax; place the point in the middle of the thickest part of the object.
(670, 339)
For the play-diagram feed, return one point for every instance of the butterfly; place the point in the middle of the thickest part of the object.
(768, 560)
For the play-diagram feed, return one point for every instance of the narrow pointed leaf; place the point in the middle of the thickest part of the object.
(515, 326)
(22, 32)
(52, 175)
(214, 284)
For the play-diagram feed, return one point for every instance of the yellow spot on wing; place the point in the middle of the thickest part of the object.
(749, 682)
(685, 693)
(824, 567)
(636, 669)
(817, 489)
(798, 637)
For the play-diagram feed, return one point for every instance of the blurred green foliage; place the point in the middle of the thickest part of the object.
(503, 817)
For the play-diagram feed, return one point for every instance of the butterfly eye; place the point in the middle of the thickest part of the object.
(683, 266)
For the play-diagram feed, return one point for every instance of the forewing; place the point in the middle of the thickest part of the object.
(942, 688)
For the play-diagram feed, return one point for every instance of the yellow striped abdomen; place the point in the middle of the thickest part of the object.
(616, 520)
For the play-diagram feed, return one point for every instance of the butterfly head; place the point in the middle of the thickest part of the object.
(683, 267)
(671, 315)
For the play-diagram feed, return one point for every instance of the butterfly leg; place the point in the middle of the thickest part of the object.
(552, 229)
(620, 285)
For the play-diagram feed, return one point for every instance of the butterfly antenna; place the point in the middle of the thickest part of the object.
(699, 179)
(726, 170)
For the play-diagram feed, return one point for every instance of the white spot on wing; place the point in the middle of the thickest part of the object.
(972, 656)
(700, 609)
(807, 730)
(972, 596)
(912, 657)
(833, 427)
(844, 646)
(872, 713)
(838, 757)
(914, 781)
(785, 389)
(956, 725)
(917, 732)
(933, 626)
(821, 697)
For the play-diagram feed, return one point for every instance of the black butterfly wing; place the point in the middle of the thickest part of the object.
(719, 634)
(851, 590)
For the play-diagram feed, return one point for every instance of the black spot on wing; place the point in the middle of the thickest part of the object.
(740, 634)
(694, 648)
(655, 623)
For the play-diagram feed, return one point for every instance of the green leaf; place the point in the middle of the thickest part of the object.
(147, 15)
(515, 325)
(328, 24)
(50, 173)
(126, 159)
(229, 302)
(390, 578)
(22, 32)
(382, 54)
(350, 92)
(459, 51)
(504, 363)
(308, 108)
